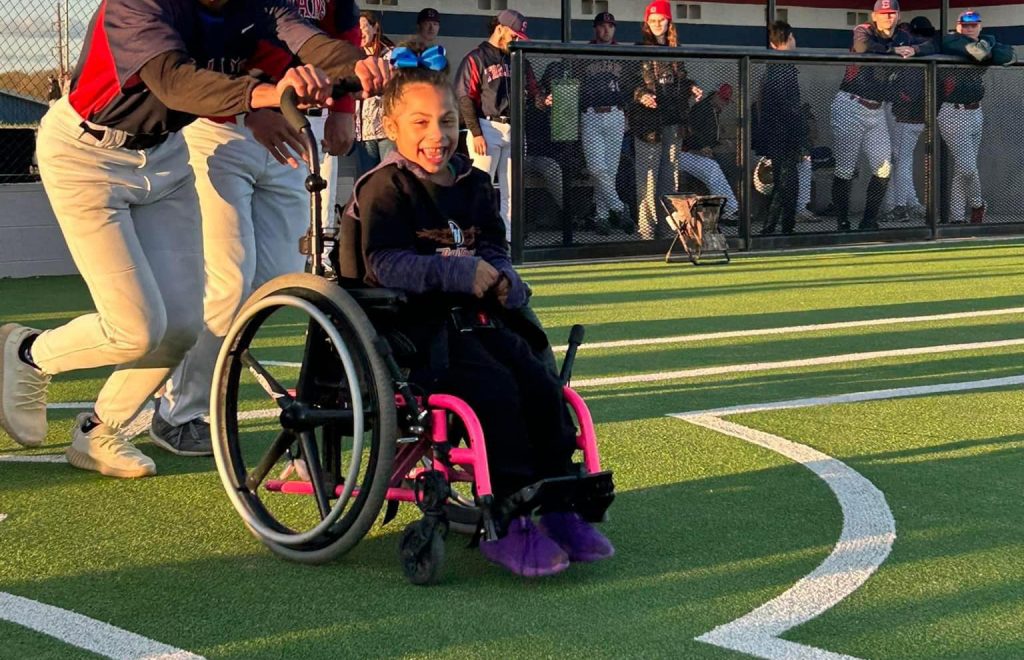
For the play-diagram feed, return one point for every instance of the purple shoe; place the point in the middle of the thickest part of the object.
(577, 537)
(525, 551)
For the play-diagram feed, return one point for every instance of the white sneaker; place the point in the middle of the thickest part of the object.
(106, 451)
(22, 390)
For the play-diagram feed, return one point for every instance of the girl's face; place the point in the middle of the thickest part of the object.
(658, 23)
(366, 32)
(424, 125)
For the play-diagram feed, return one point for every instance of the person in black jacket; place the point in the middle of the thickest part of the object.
(429, 227)
(657, 117)
(781, 132)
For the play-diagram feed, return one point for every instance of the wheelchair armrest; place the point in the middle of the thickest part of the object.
(377, 297)
(589, 495)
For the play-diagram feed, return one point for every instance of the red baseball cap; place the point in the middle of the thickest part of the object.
(658, 7)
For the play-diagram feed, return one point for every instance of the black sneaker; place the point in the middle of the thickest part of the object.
(190, 439)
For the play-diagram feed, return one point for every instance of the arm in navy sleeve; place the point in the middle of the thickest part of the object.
(467, 90)
(491, 244)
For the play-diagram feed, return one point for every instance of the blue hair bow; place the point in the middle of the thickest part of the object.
(433, 58)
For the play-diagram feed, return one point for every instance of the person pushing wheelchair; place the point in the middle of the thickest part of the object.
(430, 228)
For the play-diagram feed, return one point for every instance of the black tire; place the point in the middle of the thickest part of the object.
(376, 389)
(422, 558)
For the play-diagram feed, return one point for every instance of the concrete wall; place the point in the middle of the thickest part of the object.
(31, 243)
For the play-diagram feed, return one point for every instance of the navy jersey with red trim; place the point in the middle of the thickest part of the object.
(126, 34)
(876, 82)
(340, 20)
(485, 76)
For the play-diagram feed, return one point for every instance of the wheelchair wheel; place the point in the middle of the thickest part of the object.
(421, 551)
(335, 418)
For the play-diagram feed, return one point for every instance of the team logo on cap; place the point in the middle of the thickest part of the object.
(886, 4)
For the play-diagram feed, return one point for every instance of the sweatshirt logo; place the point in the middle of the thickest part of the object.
(453, 241)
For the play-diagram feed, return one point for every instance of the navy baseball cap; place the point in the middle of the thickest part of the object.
(428, 14)
(887, 7)
(514, 21)
(604, 17)
(922, 26)
(969, 16)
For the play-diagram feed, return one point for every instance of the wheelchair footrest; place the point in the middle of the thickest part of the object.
(589, 495)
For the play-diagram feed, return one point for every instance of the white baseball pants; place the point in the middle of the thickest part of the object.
(708, 171)
(131, 222)
(961, 128)
(855, 128)
(254, 211)
(498, 159)
(602, 149)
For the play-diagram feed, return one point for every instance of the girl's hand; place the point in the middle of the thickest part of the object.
(502, 289)
(649, 101)
(485, 277)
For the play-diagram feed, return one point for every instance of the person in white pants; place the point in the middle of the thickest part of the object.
(116, 170)
(602, 127)
(254, 208)
(960, 117)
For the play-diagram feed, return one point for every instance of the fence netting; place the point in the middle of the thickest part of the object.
(834, 147)
(39, 45)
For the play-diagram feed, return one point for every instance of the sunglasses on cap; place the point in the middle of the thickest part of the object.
(970, 17)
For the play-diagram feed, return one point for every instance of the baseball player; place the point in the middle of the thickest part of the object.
(602, 126)
(115, 168)
(858, 112)
(428, 26)
(907, 126)
(960, 117)
(483, 85)
(254, 208)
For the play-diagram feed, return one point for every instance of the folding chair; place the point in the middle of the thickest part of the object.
(695, 221)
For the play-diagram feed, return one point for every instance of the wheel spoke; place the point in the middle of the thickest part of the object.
(266, 380)
(316, 476)
(269, 460)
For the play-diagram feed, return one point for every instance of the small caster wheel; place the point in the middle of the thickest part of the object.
(421, 552)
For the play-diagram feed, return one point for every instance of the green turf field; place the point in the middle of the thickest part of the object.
(708, 526)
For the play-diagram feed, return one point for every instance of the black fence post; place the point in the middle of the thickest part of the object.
(518, 219)
(943, 18)
(566, 21)
(744, 153)
(933, 168)
(769, 16)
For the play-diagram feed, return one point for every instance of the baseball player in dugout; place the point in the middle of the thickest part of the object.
(428, 27)
(603, 126)
(254, 207)
(115, 168)
(483, 84)
(960, 119)
(858, 112)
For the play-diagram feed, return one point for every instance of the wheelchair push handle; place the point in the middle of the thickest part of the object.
(290, 101)
(576, 335)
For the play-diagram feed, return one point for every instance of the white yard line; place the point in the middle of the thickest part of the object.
(866, 540)
(660, 376)
(33, 458)
(873, 395)
(84, 632)
(792, 329)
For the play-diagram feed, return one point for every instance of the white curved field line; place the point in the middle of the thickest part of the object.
(866, 540)
(86, 633)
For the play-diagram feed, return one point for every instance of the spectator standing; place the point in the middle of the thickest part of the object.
(960, 117)
(858, 112)
(428, 27)
(697, 158)
(483, 86)
(781, 132)
(602, 126)
(372, 145)
(657, 117)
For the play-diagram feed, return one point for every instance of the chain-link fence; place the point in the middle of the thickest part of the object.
(39, 43)
(822, 144)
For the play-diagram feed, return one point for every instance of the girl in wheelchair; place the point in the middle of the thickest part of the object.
(430, 227)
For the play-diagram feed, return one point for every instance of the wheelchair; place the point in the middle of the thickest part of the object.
(348, 434)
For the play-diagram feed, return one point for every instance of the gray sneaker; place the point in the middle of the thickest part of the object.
(189, 439)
